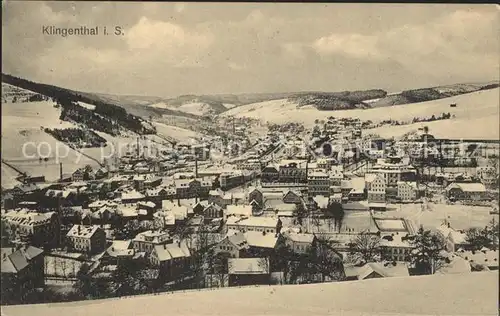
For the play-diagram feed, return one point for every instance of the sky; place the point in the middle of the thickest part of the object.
(171, 49)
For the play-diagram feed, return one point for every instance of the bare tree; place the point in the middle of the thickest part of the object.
(365, 248)
(64, 267)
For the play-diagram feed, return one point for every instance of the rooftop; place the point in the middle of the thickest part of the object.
(82, 231)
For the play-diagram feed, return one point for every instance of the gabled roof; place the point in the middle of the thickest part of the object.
(258, 239)
(383, 269)
(14, 261)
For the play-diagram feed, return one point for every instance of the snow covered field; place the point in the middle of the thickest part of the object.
(24, 141)
(180, 134)
(459, 294)
(476, 115)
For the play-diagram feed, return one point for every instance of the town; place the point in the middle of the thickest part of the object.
(290, 206)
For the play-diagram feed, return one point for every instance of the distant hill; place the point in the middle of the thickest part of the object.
(429, 94)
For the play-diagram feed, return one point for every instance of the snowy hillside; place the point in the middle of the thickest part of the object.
(476, 114)
(455, 294)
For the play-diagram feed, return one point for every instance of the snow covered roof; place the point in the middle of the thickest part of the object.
(241, 210)
(258, 239)
(468, 187)
(82, 231)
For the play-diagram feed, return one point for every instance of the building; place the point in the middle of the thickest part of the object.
(395, 247)
(212, 211)
(234, 245)
(232, 179)
(394, 171)
(192, 188)
(87, 239)
(256, 195)
(146, 241)
(467, 191)
(293, 171)
(298, 242)
(248, 271)
(270, 174)
(269, 225)
(173, 259)
(373, 270)
(407, 191)
(40, 229)
(318, 183)
(22, 272)
(375, 187)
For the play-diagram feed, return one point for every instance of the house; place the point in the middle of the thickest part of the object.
(22, 272)
(255, 194)
(375, 188)
(467, 191)
(407, 191)
(173, 259)
(261, 242)
(132, 197)
(146, 241)
(374, 270)
(200, 206)
(78, 175)
(454, 238)
(87, 239)
(293, 197)
(164, 219)
(212, 211)
(298, 242)
(39, 229)
(118, 252)
(234, 244)
(248, 271)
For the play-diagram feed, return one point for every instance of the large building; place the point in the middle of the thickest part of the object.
(394, 171)
(467, 191)
(148, 240)
(40, 229)
(87, 239)
(375, 187)
(293, 171)
(268, 225)
(318, 183)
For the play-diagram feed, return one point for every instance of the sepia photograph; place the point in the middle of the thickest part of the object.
(249, 158)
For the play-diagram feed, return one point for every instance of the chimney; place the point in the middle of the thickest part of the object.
(196, 167)
(60, 171)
